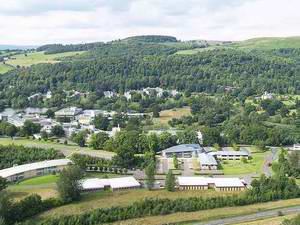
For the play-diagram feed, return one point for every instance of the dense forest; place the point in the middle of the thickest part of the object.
(153, 61)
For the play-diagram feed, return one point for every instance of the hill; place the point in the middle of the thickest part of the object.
(123, 65)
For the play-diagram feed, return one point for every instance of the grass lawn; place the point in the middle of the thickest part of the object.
(106, 199)
(166, 115)
(271, 221)
(237, 167)
(65, 149)
(39, 180)
(189, 218)
(39, 57)
(4, 68)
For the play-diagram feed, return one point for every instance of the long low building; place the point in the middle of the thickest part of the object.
(183, 151)
(207, 162)
(120, 183)
(25, 171)
(230, 155)
(219, 184)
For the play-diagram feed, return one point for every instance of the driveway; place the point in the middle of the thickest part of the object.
(252, 217)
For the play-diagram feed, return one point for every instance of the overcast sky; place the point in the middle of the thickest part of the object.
(34, 22)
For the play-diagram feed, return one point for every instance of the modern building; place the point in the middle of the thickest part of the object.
(96, 184)
(183, 151)
(203, 183)
(230, 155)
(25, 171)
(207, 162)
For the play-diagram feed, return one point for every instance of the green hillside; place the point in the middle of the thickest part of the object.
(269, 43)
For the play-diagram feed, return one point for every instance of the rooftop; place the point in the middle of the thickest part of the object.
(204, 181)
(33, 166)
(184, 148)
(114, 183)
(206, 159)
(234, 153)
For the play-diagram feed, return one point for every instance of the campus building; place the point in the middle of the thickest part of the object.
(207, 162)
(183, 151)
(25, 171)
(230, 155)
(121, 183)
(203, 183)
(70, 112)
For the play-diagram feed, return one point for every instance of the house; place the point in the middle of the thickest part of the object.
(25, 171)
(34, 96)
(158, 91)
(7, 113)
(207, 162)
(121, 183)
(70, 112)
(219, 184)
(16, 120)
(296, 147)
(183, 151)
(267, 95)
(231, 155)
(109, 94)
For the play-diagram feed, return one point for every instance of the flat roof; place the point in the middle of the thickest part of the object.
(226, 153)
(120, 182)
(217, 181)
(206, 159)
(184, 148)
(5, 173)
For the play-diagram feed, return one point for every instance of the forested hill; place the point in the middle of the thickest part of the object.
(123, 65)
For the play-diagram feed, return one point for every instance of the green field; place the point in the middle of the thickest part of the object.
(253, 166)
(4, 68)
(39, 180)
(39, 57)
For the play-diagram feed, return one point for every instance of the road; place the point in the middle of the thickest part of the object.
(252, 217)
(267, 170)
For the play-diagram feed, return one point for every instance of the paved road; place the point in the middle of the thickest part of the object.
(252, 217)
(267, 170)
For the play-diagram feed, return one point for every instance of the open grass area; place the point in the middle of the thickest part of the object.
(65, 149)
(4, 68)
(39, 180)
(166, 115)
(121, 198)
(270, 221)
(39, 57)
(212, 214)
(253, 166)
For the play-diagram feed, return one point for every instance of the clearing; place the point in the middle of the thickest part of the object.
(39, 57)
(166, 115)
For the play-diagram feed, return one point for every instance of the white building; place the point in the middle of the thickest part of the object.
(267, 95)
(230, 155)
(109, 94)
(95, 184)
(207, 162)
(34, 169)
(70, 112)
(219, 184)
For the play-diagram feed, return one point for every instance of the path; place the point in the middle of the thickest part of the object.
(252, 217)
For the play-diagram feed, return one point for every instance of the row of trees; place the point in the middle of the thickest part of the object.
(17, 155)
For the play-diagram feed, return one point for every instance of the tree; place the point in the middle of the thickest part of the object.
(150, 172)
(216, 147)
(44, 135)
(155, 111)
(187, 136)
(30, 128)
(11, 130)
(5, 208)
(3, 183)
(79, 138)
(211, 136)
(57, 131)
(175, 161)
(98, 140)
(101, 122)
(170, 181)
(68, 184)
(50, 113)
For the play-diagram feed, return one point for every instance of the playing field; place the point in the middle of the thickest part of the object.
(39, 57)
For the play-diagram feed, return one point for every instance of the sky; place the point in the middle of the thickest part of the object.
(36, 22)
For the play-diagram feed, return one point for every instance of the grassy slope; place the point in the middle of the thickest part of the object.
(266, 43)
(122, 198)
(39, 57)
(4, 68)
(206, 215)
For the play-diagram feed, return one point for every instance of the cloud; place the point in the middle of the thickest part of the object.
(69, 21)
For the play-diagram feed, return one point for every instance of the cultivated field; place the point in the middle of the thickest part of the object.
(39, 57)
(65, 149)
(166, 115)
